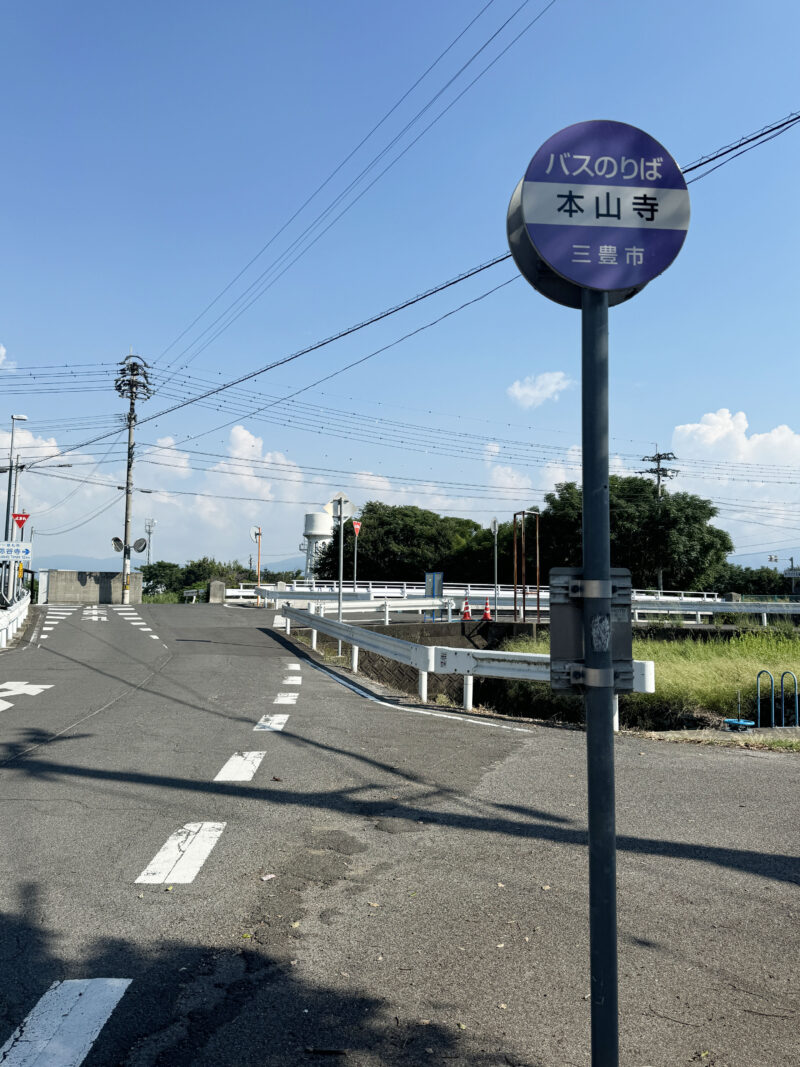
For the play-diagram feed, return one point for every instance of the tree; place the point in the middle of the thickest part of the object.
(399, 544)
(672, 532)
(161, 577)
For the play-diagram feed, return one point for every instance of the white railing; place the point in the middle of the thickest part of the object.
(11, 618)
(438, 659)
(476, 589)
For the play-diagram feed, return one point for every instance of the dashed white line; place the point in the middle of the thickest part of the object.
(183, 854)
(292, 679)
(240, 767)
(293, 667)
(286, 698)
(154, 637)
(61, 1028)
(271, 722)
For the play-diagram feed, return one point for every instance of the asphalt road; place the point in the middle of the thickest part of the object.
(429, 901)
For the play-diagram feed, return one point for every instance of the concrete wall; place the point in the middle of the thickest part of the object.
(90, 587)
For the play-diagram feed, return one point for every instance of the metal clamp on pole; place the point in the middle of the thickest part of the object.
(592, 677)
(588, 588)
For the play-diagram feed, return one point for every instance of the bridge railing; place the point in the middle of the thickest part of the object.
(12, 617)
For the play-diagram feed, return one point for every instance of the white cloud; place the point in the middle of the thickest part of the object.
(534, 390)
(723, 435)
(175, 463)
(748, 476)
(7, 366)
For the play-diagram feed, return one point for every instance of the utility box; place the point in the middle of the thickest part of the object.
(566, 628)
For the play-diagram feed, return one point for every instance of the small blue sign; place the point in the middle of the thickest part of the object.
(15, 550)
(605, 205)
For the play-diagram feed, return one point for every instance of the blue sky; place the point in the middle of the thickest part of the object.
(150, 153)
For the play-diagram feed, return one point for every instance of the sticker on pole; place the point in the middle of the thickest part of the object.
(605, 205)
(356, 527)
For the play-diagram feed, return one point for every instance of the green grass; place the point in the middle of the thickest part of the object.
(161, 598)
(698, 682)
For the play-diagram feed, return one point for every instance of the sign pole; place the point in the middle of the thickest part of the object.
(355, 559)
(599, 683)
(341, 562)
(258, 564)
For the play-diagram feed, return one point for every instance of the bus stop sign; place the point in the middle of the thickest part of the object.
(605, 205)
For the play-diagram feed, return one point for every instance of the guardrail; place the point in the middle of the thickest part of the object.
(438, 659)
(11, 618)
(478, 590)
(690, 607)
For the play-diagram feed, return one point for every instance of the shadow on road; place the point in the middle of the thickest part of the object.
(190, 1006)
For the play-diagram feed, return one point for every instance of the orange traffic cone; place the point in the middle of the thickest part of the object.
(487, 615)
(466, 614)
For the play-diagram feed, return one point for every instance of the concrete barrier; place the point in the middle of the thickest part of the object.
(90, 587)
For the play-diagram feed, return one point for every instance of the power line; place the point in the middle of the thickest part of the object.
(262, 278)
(776, 128)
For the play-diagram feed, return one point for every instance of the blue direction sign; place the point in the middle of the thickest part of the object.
(605, 205)
(16, 551)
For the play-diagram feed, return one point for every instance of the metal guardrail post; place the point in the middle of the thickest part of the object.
(468, 684)
(386, 613)
(422, 684)
(354, 659)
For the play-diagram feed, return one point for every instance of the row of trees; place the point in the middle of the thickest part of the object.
(164, 577)
(673, 533)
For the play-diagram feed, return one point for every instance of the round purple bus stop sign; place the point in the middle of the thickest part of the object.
(605, 206)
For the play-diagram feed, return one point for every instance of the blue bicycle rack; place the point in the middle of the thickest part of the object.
(771, 695)
(793, 676)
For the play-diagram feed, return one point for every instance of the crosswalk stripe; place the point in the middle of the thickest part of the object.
(240, 767)
(61, 1028)
(271, 722)
(183, 854)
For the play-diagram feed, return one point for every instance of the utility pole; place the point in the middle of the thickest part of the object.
(149, 526)
(660, 473)
(132, 382)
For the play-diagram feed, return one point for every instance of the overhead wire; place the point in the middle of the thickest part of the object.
(263, 277)
(327, 180)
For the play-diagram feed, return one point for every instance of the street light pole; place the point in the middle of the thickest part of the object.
(494, 531)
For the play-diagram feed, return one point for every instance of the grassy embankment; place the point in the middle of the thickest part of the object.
(697, 682)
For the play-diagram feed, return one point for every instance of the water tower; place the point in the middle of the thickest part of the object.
(318, 532)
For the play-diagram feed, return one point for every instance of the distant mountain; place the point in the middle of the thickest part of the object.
(294, 563)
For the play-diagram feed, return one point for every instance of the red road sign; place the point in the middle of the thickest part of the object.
(356, 527)
(20, 518)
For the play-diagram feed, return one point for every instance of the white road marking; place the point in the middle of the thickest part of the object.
(240, 767)
(420, 711)
(44, 637)
(155, 637)
(293, 679)
(45, 628)
(279, 622)
(293, 667)
(183, 854)
(271, 722)
(22, 689)
(286, 698)
(61, 1028)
